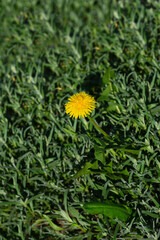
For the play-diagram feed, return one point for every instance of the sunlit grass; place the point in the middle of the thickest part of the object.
(51, 165)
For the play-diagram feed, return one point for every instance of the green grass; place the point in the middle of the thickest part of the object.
(50, 165)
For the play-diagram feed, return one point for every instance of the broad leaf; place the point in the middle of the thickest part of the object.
(85, 170)
(99, 153)
(54, 226)
(109, 209)
(105, 93)
(108, 75)
(107, 80)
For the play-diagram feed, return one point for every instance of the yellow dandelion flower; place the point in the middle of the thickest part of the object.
(80, 105)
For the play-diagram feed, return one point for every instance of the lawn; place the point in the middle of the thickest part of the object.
(90, 178)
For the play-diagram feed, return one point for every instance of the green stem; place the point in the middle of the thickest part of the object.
(99, 129)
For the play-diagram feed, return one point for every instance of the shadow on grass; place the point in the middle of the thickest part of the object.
(92, 82)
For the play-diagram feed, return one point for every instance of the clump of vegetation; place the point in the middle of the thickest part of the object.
(60, 177)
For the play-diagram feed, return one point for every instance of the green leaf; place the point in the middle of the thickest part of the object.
(105, 93)
(54, 226)
(108, 168)
(155, 110)
(85, 170)
(109, 209)
(108, 75)
(107, 80)
(132, 151)
(113, 106)
(69, 132)
(99, 153)
(124, 172)
(65, 215)
(152, 215)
